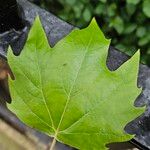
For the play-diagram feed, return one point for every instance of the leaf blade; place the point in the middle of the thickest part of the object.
(69, 88)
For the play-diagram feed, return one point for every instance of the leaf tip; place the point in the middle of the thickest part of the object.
(9, 52)
(136, 58)
(37, 35)
(93, 24)
(37, 19)
(97, 30)
(37, 22)
(138, 53)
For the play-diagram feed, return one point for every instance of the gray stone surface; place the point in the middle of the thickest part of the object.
(57, 29)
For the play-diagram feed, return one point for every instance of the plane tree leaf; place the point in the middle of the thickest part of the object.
(69, 93)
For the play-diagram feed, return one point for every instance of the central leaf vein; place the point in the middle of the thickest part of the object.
(72, 87)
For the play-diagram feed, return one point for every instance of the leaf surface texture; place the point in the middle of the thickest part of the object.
(69, 93)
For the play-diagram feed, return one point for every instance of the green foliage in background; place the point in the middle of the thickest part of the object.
(125, 21)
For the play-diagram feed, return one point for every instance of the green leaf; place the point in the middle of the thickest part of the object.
(69, 93)
(130, 9)
(103, 1)
(146, 7)
(133, 1)
(111, 10)
(144, 40)
(130, 28)
(70, 2)
(141, 31)
(87, 14)
(118, 24)
(100, 8)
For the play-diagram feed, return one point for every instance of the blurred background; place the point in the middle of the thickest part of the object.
(126, 22)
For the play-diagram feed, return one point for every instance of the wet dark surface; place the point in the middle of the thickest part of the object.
(54, 27)
(57, 29)
(9, 17)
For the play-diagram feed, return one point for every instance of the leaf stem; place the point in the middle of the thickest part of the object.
(53, 144)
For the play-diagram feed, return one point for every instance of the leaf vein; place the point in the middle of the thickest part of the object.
(69, 95)
(33, 111)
